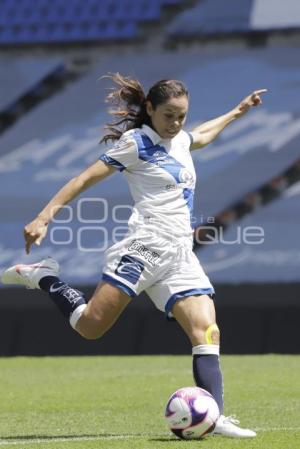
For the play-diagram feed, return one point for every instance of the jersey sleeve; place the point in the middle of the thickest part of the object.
(123, 154)
(191, 139)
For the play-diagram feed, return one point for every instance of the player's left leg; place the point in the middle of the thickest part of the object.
(196, 315)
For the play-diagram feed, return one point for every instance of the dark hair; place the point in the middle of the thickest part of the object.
(129, 98)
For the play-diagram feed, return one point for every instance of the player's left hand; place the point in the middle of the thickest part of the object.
(254, 99)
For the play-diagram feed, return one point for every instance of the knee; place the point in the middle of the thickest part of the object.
(89, 328)
(90, 334)
(212, 335)
(207, 335)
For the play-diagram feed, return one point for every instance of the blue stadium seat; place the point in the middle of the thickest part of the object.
(34, 21)
(29, 21)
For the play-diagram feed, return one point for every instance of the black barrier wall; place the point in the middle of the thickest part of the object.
(254, 319)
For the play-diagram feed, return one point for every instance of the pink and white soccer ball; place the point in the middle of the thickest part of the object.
(191, 413)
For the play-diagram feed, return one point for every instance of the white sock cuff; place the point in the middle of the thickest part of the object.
(206, 350)
(76, 314)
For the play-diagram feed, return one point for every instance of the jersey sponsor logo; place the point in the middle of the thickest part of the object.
(151, 256)
(164, 162)
(160, 158)
(171, 187)
(160, 155)
(130, 268)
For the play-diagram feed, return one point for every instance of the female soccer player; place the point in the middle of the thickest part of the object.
(153, 151)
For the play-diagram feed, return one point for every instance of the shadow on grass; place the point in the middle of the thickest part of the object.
(158, 438)
(170, 440)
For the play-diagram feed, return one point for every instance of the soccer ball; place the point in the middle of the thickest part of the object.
(191, 413)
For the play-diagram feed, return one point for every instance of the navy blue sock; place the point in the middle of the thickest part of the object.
(207, 375)
(66, 298)
(46, 282)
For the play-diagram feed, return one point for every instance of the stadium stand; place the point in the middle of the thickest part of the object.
(212, 17)
(32, 22)
(275, 14)
(19, 75)
(217, 17)
(251, 152)
(269, 253)
(207, 229)
(272, 133)
(30, 81)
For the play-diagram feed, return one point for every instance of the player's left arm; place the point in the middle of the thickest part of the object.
(205, 133)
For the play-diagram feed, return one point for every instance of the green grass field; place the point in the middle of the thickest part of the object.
(118, 402)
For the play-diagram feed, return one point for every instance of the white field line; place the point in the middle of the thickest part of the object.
(62, 439)
(276, 429)
(4, 442)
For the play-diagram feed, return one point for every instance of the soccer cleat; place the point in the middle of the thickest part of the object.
(227, 426)
(30, 275)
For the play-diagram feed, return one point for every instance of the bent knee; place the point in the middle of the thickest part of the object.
(90, 328)
(209, 335)
(90, 334)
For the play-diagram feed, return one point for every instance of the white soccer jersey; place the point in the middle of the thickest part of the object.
(156, 255)
(161, 177)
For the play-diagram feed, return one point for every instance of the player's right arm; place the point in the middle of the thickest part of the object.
(35, 231)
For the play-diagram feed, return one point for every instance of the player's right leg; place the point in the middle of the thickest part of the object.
(90, 320)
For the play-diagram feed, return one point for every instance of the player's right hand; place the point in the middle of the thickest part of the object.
(35, 232)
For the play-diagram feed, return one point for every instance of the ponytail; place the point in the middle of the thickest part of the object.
(130, 101)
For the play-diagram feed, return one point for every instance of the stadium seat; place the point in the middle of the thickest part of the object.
(41, 21)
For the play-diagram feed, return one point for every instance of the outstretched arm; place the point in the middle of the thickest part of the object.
(35, 231)
(208, 131)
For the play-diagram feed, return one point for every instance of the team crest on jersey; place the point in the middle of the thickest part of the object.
(130, 269)
(151, 256)
(186, 177)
